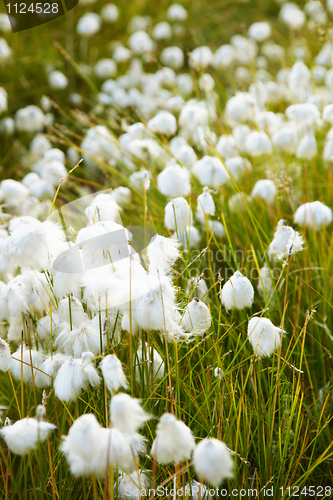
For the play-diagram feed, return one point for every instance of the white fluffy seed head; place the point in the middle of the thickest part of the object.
(113, 373)
(265, 282)
(163, 253)
(210, 172)
(25, 361)
(227, 147)
(74, 376)
(104, 208)
(212, 461)
(178, 214)
(237, 292)
(314, 215)
(163, 123)
(196, 319)
(174, 181)
(174, 441)
(57, 80)
(24, 436)
(89, 24)
(48, 370)
(264, 337)
(5, 355)
(110, 13)
(206, 205)
(173, 57)
(286, 241)
(127, 414)
(90, 449)
(82, 445)
(264, 189)
(260, 31)
(307, 148)
(258, 143)
(29, 119)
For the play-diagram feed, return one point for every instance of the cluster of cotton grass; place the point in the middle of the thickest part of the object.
(65, 297)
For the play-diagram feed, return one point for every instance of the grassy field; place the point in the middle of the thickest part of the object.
(275, 413)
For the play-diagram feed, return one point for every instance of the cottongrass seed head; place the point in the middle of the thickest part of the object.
(264, 337)
(237, 292)
(212, 461)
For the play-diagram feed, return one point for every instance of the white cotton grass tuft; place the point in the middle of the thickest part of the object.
(226, 147)
(286, 241)
(266, 190)
(82, 446)
(210, 172)
(23, 436)
(25, 361)
(65, 283)
(237, 292)
(32, 243)
(163, 123)
(236, 167)
(154, 307)
(265, 282)
(113, 373)
(206, 205)
(122, 196)
(103, 208)
(314, 215)
(89, 24)
(90, 449)
(178, 214)
(162, 253)
(307, 148)
(76, 341)
(162, 31)
(260, 31)
(74, 376)
(186, 156)
(177, 12)
(196, 318)
(174, 181)
(172, 57)
(212, 461)
(174, 441)
(257, 144)
(5, 356)
(201, 57)
(126, 414)
(264, 337)
(110, 13)
(140, 42)
(105, 68)
(48, 370)
(30, 119)
(71, 311)
(13, 299)
(57, 80)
